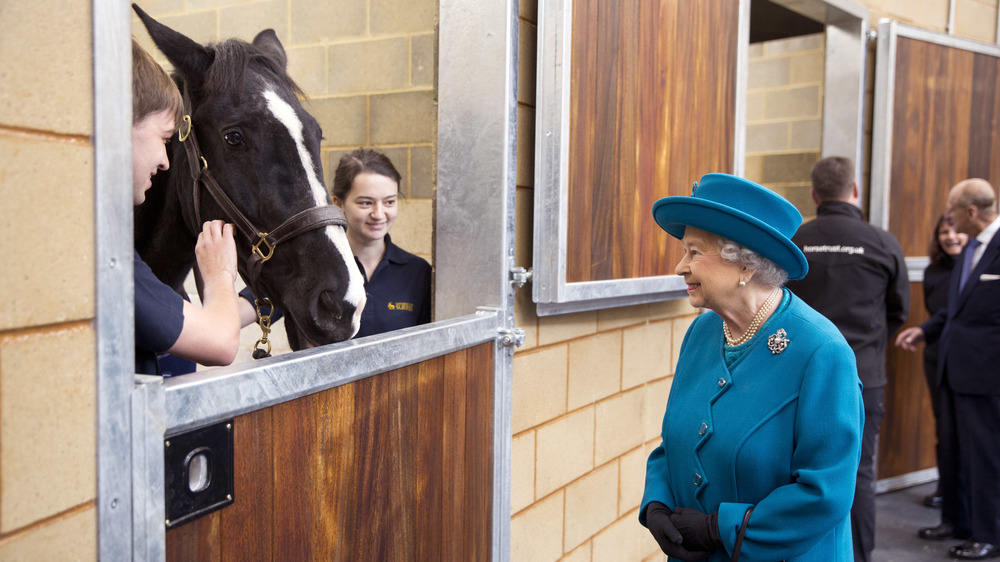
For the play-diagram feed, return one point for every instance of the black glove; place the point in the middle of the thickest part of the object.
(700, 531)
(666, 535)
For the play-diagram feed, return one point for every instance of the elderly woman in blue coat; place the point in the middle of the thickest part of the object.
(762, 431)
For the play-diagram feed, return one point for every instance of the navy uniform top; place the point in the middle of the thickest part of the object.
(159, 317)
(399, 292)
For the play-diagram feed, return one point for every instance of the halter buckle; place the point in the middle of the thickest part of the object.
(259, 252)
(182, 136)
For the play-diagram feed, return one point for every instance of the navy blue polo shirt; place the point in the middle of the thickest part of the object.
(159, 317)
(399, 292)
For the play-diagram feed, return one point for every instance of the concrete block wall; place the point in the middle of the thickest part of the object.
(368, 68)
(48, 378)
(785, 115)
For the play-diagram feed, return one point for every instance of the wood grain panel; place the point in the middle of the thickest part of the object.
(907, 438)
(294, 476)
(453, 467)
(397, 466)
(197, 541)
(249, 528)
(651, 110)
(944, 130)
(478, 504)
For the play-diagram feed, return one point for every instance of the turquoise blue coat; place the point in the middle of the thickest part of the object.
(777, 431)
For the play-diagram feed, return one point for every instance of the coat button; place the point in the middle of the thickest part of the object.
(703, 429)
(697, 479)
(722, 383)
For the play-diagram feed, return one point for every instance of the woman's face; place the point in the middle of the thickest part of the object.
(370, 206)
(711, 280)
(951, 240)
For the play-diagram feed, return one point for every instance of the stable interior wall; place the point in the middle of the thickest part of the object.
(48, 378)
(368, 70)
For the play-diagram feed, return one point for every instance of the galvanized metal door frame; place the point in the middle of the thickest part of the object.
(843, 112)
(885, 90)
(112, 73)
(474, 249)
(475, 199)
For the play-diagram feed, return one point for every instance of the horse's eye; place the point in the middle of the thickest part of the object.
(234, 138)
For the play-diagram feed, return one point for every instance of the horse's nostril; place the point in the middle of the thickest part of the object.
(329, 302)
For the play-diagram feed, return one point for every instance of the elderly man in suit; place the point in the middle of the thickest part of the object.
(969, 332)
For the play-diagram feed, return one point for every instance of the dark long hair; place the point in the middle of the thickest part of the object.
(361, 161)
(934, 250)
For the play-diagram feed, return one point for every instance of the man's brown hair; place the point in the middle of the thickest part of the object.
(833, 178)
(152, 90)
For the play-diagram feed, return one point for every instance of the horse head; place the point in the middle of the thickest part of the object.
(263, 150)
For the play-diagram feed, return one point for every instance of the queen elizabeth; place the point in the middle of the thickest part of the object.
(762, 430)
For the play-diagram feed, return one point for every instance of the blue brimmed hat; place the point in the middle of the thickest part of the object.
(742, 211)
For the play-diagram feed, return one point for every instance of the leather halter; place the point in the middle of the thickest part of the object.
(299, 223)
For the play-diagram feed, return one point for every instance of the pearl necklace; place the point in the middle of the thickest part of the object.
(755, 324)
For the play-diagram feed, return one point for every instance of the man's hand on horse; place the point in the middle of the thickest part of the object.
(216, 250)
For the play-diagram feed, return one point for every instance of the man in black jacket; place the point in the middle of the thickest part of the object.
(857, 278)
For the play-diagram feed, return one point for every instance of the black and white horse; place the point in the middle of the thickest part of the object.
(263, 150)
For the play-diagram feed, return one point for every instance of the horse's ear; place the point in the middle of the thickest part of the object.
(268, 42)
(188, 57)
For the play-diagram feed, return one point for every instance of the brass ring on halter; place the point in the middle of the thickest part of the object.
(256, 247)
(204, 163)
(184, 135)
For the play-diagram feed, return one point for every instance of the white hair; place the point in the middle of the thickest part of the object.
(767, 273)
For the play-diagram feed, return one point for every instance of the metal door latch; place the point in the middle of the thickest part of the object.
(512, 337)
(519, 276)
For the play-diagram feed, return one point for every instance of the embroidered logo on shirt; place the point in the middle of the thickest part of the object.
(407, 306)
(837, 249)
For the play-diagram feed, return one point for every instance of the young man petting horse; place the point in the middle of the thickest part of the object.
(165, 322)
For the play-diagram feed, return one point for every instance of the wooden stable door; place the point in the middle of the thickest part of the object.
(397, 466)
(651, 111)
(936, 123)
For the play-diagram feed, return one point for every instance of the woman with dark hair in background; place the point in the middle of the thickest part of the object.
(397, 283)
(944, 247)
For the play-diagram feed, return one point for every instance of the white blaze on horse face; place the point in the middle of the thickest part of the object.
(285, 113)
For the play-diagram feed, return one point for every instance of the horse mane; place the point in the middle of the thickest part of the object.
(233, 57)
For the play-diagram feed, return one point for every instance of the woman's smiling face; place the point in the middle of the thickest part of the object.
(370, 207)
(710, 279)
(951, 240)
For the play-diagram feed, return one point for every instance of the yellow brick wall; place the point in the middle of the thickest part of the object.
(48, 444)
(785, 115)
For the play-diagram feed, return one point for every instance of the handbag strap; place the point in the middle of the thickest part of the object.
(741, 534)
